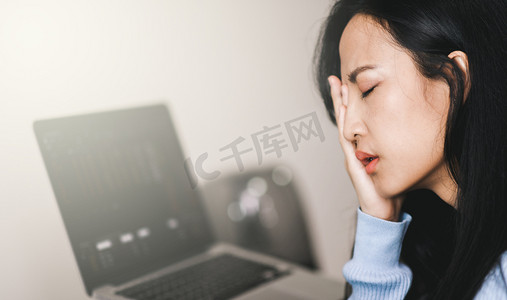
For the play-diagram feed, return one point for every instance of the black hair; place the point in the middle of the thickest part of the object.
(450, 250)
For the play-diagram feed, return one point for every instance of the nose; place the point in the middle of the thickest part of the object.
(354, 126)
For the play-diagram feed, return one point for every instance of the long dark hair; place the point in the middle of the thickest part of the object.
(450, 251)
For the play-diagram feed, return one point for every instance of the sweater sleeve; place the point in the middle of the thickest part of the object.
(375, 272)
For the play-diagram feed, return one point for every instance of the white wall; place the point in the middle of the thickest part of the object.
(226, 68)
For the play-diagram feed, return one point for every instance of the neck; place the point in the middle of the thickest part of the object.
(445, 187)
(447, 193)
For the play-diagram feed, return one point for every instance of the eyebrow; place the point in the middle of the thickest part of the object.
(353, 75)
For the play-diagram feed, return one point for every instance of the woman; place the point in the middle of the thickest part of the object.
(418, 92)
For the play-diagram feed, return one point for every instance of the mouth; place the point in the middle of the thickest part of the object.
(368, 160)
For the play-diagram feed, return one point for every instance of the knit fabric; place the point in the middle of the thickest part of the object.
(375, 270)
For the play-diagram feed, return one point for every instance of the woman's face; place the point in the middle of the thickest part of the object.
(402, 120)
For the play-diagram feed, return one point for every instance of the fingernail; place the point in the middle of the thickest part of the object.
(329, 80)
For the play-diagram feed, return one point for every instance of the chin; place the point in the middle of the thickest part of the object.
(389, 191)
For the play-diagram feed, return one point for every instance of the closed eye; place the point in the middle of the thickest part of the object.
(365, 94)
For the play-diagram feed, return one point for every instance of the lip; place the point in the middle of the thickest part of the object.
(368, 160)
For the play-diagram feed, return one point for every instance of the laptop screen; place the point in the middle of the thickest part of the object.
(122, 191)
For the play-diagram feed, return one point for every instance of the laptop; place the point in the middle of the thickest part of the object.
(138, 229)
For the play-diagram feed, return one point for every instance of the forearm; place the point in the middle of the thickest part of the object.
(374, 270)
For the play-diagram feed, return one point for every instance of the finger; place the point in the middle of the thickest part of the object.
(335, 85)
(354, 166)
(348, 147)
(345, 98)
(341, 116)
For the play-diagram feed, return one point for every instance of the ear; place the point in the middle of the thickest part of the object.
(461, 60)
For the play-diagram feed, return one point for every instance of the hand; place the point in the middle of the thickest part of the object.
(369, 200)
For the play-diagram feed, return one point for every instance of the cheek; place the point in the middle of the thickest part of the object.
(395, 177)
(408, 128)
(411, 146)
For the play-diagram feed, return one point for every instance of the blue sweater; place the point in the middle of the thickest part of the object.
(375, 271)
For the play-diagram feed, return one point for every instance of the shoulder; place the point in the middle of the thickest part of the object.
(503, 266)
(502, 269)
(495, 283)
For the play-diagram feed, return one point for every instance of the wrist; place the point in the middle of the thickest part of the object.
(392, 215)
(378, 242)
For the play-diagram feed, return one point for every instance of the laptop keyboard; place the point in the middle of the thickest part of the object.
(222, 277)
